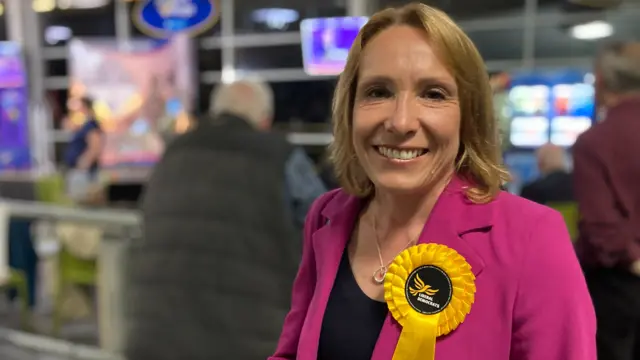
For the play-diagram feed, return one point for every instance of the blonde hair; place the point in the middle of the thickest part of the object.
(479, 158)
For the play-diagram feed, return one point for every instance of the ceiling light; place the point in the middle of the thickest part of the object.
(56, 34)
(592, 31)
(81, 4)
(65, 4)
(275, 18)
(43, 5)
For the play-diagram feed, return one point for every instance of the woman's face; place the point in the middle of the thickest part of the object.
(406, 115)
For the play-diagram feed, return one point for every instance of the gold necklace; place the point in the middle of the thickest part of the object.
(381, 272)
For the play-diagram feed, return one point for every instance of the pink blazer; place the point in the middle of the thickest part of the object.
(531, 303)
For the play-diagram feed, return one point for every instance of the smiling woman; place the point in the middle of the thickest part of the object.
(441, 67)
(421, 242)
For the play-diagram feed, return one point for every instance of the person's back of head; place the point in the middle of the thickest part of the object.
(617, 73)
(249, 99)
(551, 158)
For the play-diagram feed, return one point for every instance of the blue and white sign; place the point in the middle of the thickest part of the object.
(163, 18)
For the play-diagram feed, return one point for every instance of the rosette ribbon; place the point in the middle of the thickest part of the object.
(429, 289)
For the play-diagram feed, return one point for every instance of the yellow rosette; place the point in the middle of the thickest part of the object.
(429, 289)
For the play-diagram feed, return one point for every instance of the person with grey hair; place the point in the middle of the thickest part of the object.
(222, 213)
(607, 189)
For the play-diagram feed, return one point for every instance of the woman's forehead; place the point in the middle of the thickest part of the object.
(401, 51)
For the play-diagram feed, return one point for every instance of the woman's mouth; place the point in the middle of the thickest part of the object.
(400, 154)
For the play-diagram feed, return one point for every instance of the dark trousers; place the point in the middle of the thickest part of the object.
(22, 256)
(616, 298)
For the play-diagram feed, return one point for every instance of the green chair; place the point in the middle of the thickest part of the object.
(18, 281)
(569, 211)
(71, 270)
(51, 189)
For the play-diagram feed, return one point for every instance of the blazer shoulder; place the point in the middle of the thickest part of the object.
(522, 213)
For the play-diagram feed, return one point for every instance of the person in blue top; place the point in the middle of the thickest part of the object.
(86, 144)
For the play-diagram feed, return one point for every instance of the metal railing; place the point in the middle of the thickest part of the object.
(126, 224)
(102, 217)
(121, 220)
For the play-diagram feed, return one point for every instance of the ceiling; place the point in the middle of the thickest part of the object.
(551, 41)
(460, 9)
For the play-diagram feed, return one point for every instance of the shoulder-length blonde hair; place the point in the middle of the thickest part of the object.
(479, 158)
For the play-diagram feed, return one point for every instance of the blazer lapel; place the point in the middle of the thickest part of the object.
(329, 243)
(452, 216)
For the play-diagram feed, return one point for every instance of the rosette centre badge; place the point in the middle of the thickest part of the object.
(433, 296)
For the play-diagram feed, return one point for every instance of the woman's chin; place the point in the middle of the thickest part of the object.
(399, 185)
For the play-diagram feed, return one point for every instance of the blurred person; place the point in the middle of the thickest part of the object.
(82, 155)
(222, 212)
(607, 188)
(84, 148)
(417, 152)
(555, 183)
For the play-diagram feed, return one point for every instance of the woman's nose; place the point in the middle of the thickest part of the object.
(404, 120)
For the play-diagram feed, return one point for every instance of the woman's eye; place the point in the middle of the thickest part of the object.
(378, 93)
(434, 94)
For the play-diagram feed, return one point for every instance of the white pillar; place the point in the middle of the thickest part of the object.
(529, 36)
(123, 25)
(227, 32)
(361, 7)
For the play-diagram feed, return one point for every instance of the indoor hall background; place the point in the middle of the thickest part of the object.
(511, 35)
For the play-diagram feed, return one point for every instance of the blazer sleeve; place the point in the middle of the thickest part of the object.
(303, 286)
(553, 315)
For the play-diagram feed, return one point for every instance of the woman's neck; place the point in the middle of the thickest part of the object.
(404, 211)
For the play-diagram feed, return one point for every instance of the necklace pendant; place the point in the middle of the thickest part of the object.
(378, 275)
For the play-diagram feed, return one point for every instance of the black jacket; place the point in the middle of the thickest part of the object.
(554, 187)
(212, 277)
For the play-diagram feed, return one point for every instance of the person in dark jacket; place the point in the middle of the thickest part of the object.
(222, 216)
(555, 183)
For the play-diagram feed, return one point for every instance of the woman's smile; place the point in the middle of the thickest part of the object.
(400, 155)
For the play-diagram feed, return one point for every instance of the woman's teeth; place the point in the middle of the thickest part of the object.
(398, 154)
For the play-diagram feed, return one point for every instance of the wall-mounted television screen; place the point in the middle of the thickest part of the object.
(550, 106)
(326, 43)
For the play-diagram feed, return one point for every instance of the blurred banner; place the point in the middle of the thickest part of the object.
(14, 116)
(139, 94)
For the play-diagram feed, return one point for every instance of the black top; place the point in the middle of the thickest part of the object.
(352, 320)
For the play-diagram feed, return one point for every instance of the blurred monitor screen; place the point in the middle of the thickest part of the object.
(326, 43)
(573, 108)
(550, 106)
(566, 129)
(529, 100)
(529, 131)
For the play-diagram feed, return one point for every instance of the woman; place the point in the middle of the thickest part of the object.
(417, 155)
(82, 155)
